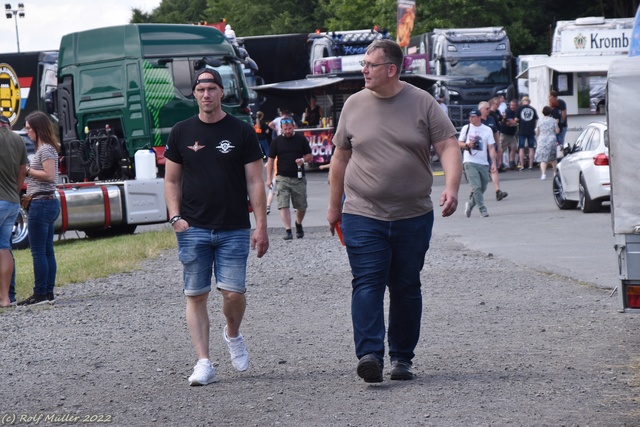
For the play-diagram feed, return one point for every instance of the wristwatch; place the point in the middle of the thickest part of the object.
(175, 219)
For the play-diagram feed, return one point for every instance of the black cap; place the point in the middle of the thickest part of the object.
(216, 78)
(4, 120)
(475, 112)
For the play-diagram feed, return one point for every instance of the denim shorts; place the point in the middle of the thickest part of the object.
(224, 252)
(526, 141)
(8, 214)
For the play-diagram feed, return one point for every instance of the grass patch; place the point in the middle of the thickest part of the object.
(80, 260)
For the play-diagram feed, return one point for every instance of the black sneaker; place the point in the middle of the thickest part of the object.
(33, 300)
(501, 195)
(51, 298)
(370, 369)
(288, 235)
(299, 231)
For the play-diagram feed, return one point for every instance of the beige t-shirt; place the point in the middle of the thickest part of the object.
(389, 176)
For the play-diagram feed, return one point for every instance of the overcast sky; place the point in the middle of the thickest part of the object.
(46, 21)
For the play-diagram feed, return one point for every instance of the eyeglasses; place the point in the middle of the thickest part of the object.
(371, 65)
(286, 121)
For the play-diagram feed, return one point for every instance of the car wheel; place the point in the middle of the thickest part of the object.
(586, 204)
(559, 196)
(20, 236)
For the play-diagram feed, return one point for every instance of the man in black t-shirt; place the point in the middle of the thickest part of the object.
(213, 161)
(292, 151)
(527, 119)
(559, 112)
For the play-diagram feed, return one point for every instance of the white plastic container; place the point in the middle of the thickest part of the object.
(145, 161)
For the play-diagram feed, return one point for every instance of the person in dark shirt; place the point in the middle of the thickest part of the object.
(213, 161)
(559, 112)
(527, 120)
(292, 150)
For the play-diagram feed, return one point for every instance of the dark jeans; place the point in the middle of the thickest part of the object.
(42, 216)
(386, 254)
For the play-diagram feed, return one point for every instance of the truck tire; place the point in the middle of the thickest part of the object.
(116, 230)
(20, 236)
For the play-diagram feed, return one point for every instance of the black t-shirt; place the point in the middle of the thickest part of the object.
(214, 184)
(287, 150)
(491, 123)
(556, 113)
(509, 114)
(498, 119)
(527, 117)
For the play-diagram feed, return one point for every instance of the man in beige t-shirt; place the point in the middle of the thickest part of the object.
(382, 166)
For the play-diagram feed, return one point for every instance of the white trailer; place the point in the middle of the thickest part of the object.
(581, 54)
(623, 92)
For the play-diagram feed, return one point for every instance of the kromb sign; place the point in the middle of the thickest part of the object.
(602, 41)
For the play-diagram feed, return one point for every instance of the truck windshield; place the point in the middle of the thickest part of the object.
(484, 71)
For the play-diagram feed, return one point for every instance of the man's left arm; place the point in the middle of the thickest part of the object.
(255, 190)
(307, 157)
(449, 154)
(493, 155)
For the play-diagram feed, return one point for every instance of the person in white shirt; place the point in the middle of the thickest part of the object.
(475, 139)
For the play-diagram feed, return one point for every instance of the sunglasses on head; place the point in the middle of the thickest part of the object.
(286, 121)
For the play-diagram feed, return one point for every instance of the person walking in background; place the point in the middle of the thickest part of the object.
(527, 118)
(488, 120)
(13, 168)
(546, 131)
(382, 143)
(264, 133)
(508, 130)
(559, 112)
(292, 151)
(498, 118)
(213, 163)
(42, 176)
(275, 124)
(476, 140)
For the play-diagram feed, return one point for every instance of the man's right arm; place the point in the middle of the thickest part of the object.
(22, 173)
(339, 161)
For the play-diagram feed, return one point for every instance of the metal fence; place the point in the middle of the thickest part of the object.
(459, 114)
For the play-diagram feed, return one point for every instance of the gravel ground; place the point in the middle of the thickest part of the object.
(501, 345)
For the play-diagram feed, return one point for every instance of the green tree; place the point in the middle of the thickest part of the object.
(529, 23)
(173, 12)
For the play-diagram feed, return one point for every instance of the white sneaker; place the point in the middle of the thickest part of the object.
(238, 351)
(543, 177)
(203, 374)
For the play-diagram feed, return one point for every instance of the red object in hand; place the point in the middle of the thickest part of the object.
(339, 231)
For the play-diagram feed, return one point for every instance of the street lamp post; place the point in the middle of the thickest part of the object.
(15, 13)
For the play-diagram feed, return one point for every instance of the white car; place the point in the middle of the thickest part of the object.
(583, 174)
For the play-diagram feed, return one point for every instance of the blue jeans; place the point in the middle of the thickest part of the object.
(560, 136)
(386, 254)
(223, 251)
(8, 214)
(42, 216)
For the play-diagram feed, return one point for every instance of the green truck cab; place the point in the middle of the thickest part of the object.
(121, 89)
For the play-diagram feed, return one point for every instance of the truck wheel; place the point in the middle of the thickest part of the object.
(20, 236)
(116, 230)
